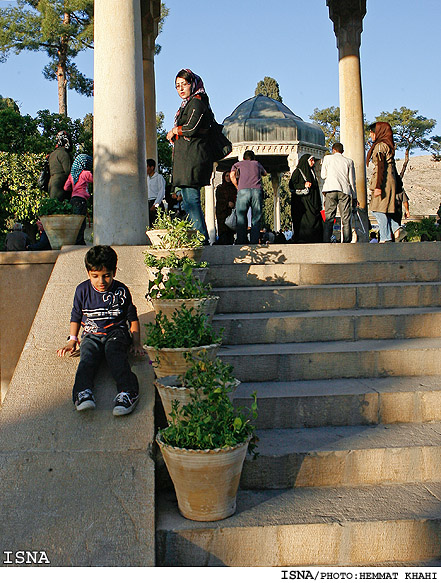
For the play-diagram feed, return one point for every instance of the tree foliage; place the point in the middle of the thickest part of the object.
(164, 13)
(61, 28)
(270, 88)
(410, 130)
(329, 121)
(164, 148)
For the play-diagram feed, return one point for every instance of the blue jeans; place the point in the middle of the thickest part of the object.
(246, 198)
(388, 225)
(191, 203)
(113, 348)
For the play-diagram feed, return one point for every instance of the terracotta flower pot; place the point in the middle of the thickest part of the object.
(205, 306)
(195, 253)
(171, 361)
(156, 236)
(205, 481)
(62, 229)
(169, 391)
(199, 272)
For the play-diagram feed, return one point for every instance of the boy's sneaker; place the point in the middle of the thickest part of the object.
(124, 404)
(85, 400)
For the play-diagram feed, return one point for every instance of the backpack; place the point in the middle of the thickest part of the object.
(43, 179)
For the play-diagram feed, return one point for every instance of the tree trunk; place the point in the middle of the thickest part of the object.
(61, 70)
(405, 163)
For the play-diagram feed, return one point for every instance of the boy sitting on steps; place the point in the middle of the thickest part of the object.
(103, 306)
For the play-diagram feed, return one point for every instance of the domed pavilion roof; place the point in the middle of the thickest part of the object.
(261, 119)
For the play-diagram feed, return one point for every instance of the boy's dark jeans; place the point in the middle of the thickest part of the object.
(113, 348)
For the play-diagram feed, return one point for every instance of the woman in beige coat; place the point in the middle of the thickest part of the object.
(383, 183)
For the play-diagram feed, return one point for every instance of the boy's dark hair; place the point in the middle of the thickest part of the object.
(337, 147)
(99, 257)
(151, 163)
(249, 155)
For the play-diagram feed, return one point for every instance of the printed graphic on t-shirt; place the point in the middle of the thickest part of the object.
(112, 310)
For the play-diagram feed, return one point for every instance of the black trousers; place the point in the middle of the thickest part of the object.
(113, 348)
(79, 206)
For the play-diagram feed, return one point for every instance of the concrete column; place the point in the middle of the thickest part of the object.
(210, 207)
(348, 24)
(150, 14)
(120, 174)
(275, 181)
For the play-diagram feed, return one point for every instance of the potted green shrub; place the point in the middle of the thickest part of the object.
(168, 293)
(59, 222)
(174, 233)
(168, 340)
(204, 374)
(172, 263)
(424, 230)
(204, 447)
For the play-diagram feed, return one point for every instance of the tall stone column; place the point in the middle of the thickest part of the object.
(347, 16)
(150, 13)
(120, 174)
(210, 207)
(275, 181)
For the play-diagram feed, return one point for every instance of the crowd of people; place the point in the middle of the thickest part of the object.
(313, 213)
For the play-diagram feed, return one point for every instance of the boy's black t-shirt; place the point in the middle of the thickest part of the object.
(102, 312)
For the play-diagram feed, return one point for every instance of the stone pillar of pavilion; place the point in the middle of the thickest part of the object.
(347, 17)
(120, 174)
(275, 181)
(150, 14)
(210, 207)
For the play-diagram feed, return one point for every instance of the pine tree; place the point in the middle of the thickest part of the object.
(61, 28)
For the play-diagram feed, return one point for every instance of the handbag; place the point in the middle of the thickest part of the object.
(231, 220)
(43, 179)
(305, 190)
(219, 143)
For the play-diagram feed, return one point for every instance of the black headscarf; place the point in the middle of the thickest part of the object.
(304, 166)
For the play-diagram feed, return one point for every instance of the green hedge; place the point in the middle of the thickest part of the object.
(19, 194)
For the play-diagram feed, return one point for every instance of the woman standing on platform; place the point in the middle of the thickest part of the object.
(192, 158)
(306, 206)
(383, 183)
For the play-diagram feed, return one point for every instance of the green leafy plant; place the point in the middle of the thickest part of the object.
(210, 420)
(178, 286)
(208, 374)
(172, 261)
(185, 329)
(424, 230)
(180, 232)
(52, 206)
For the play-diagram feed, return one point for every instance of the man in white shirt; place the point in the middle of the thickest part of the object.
(155, 189)
(338, 173)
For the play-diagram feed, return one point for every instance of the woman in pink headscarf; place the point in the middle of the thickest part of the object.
(192, 157)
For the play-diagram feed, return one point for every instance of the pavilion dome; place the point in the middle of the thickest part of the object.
(261, 119)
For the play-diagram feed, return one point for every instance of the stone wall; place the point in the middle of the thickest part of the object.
(23, 279)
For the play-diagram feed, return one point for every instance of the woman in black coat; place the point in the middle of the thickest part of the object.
(305, 208)
(192, 157)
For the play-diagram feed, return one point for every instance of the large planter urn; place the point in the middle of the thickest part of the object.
(205, 481)
(192, 253)
(172, 361)
(205, 306)
(156, 236)
(169, 390)
(198, 272)
(62, 229)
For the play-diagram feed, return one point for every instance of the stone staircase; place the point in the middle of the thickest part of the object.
(342, 344)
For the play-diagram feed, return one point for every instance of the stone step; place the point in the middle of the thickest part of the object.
(337, 402)
(290, 298)
(370, 525)
(243, 274)
(332, 360)
(321, 253)
(345, 456)
(329, 325)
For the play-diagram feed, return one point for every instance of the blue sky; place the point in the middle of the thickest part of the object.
(234, 43)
